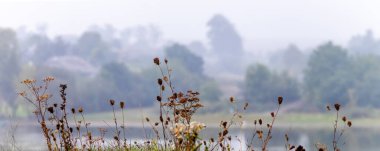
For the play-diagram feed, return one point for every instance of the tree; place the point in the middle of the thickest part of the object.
(366, 91)
(263, 86)
(327, 77)
(43, 48)
(226, 43)
(364, 44)
(181, 54)
(291, 59)
(115, 81)
(91, 47)
(210, 92)
(223, 36)
(9, 65)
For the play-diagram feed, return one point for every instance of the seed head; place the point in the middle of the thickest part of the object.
(112, 102)
(337, 106)
(156, 61)
(231, 99)
(225, 132)
(73, 110)
(159, 81)
(122, 104)
(63, 86)
(51, 109)
(344, 118)
(328, 108)
(80, 110)
(159, 98)
(162, 87)
(224, 124)
(300, 148)
(272, 114)
(349, 123)
(260, 121)
(279, 100)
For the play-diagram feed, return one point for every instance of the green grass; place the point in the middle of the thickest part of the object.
(305, 120)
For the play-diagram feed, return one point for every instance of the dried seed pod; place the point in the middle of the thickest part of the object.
(156, 61)
(224, 124)
(112, 102)
(344, 118)
(159, 98)
(159, 81)
(337, 106)
(122, 104)
(349, 123)
(279, 100)
(225, 132)
(51, 110)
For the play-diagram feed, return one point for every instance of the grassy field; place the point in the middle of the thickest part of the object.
(284, 120)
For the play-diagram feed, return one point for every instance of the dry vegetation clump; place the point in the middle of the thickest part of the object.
(65, 128)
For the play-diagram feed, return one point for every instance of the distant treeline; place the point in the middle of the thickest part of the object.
(103, 63)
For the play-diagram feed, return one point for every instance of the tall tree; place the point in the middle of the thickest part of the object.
(181, 54)
(364, 44)
(263, 86)
(91, 47)
(226, 43)
(327, 77)
(366, 69)
(291, 59)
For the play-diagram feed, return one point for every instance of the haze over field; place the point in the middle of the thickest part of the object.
(312, 53)
(253, 50)
(264, 25)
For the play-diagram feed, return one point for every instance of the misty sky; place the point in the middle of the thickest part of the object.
(263, 24)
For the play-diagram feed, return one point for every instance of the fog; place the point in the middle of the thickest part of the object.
(312, 53)
(266, 25)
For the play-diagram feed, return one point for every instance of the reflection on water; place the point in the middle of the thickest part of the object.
(354, 139)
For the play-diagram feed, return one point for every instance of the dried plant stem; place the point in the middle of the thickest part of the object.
(123, 128)
(269, 134)
(335, 143)
(117, 132)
